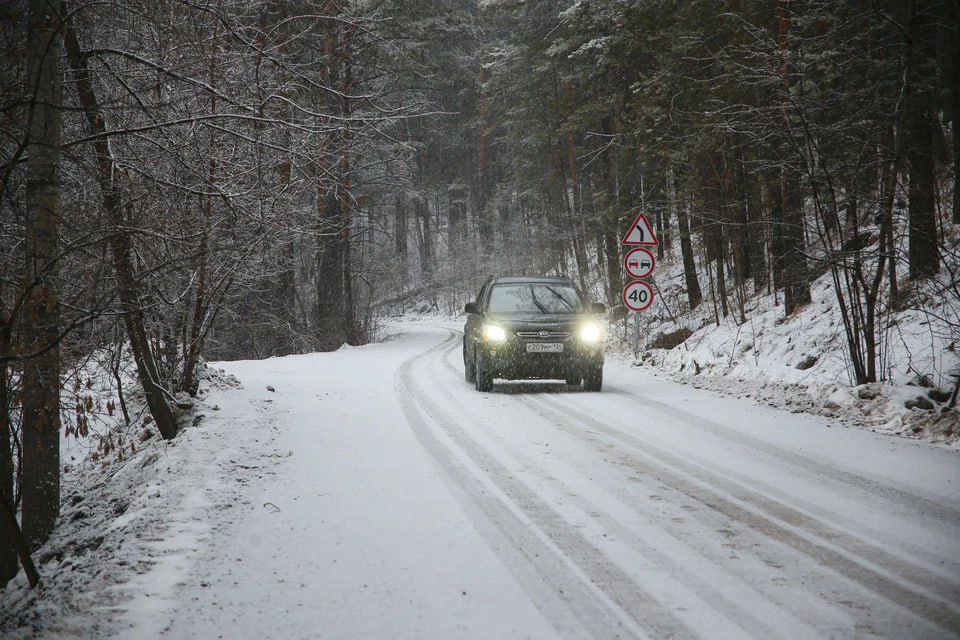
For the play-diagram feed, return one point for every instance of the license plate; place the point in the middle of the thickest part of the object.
(544, 347)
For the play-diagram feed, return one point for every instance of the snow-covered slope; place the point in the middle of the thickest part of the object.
(801, 362)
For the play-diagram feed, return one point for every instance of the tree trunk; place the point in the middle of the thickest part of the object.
(426, 249)
(8, 551)
(188, 381)
(757, 232)
(853, 222)
(796, 282)
(713, 237)
(953, 35)
(775, 202)
(742, 249)
(956, 138)
(796, 278)
(575, 201)
(694, 295)
(656, 203)
(921, 142)
(923, 253)
(329, 285)
(128, 286)
(611, 218)
(400, 233)
(40, 420)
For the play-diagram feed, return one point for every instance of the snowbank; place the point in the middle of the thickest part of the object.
(801, 362)
(133, 517)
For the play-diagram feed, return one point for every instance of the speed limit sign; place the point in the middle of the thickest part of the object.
(637, 295)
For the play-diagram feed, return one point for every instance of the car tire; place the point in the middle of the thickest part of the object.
(469, 370)
(483, 375)
(593, 381)
(573, 381)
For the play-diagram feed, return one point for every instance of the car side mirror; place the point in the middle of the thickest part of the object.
(471, 307)
(598, 308)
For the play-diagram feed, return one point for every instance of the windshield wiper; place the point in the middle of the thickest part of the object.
(562, 299)
(533, 296)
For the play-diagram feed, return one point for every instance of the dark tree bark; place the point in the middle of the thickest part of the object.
(335, 323)
(400, 230)
(457, 219)
(952, 54)
(329, 260)
(656, 203)
(485, 177)
(8, 550)
(188, 380)
(426, 234)
(796, 281)
(575, 200)
(757, 233)
(19, 542)
(694, 295)
(128, 284)
(742, 249)
(775, 202)
(40, 422)
(923, 254)
(796, 277)
(713, 235)
(611, 217)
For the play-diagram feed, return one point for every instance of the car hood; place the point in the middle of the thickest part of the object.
(537, 321)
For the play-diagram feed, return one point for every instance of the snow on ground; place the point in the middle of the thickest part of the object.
(800, 363)
(134, 520)
(371, 492)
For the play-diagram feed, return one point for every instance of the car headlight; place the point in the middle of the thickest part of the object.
(591, 332)
(493, 333)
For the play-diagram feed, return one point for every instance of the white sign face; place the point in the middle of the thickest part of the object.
(637, 295)
(640, 232)
(639, 262)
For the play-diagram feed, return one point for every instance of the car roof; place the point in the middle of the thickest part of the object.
(522, 279)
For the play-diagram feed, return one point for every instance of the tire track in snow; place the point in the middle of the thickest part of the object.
(937, 581)
(813, 608)
(604, 599)
(862, 541)
(742, 504)
(895, 579)
(731, 600)
(921, 505)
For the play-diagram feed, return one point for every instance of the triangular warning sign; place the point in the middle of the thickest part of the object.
(640, 232)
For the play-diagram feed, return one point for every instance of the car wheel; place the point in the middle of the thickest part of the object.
(593, 381)
(483, 375)
(469, 372)
(573, 381)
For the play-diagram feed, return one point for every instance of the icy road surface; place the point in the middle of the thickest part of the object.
(407, 505)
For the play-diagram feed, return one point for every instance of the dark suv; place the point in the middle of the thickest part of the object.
(533, 327)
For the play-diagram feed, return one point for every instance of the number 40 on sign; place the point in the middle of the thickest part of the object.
(637, 295)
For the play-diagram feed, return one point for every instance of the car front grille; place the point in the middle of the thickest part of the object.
(543, 335)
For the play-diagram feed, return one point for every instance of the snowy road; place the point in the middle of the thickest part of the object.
(405, 504)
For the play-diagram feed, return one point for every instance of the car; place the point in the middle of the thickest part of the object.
(533, 327)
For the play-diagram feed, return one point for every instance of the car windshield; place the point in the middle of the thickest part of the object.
(534, 297)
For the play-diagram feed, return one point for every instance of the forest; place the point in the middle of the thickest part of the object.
(184, 181)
